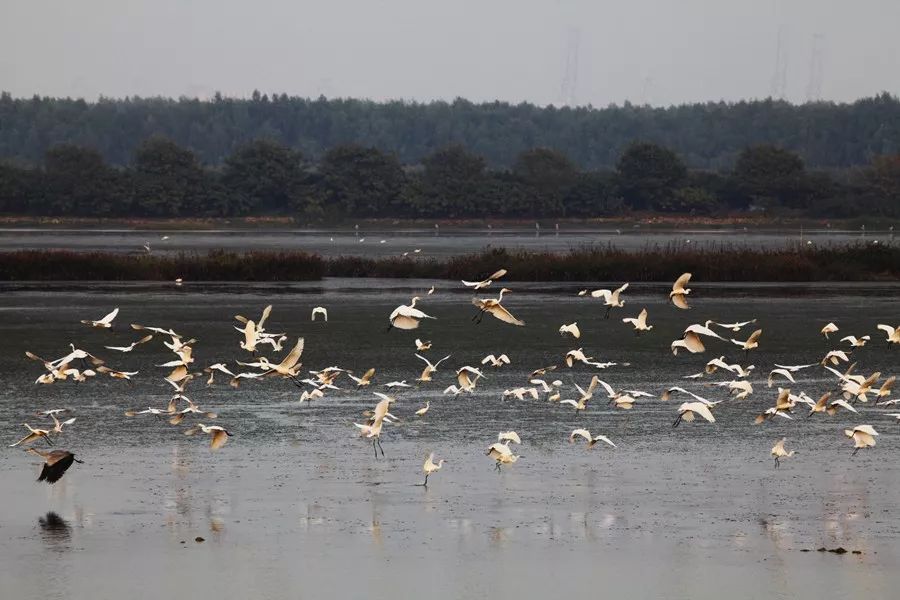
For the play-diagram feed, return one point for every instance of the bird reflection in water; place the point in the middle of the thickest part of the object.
(55, 530)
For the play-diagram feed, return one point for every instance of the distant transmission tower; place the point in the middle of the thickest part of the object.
(569, 85)
(816, 68)
(779, 77)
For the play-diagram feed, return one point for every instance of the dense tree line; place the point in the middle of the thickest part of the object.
(707, 136)
(265, 177)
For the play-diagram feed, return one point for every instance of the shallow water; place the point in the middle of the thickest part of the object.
(432, 243)
(295, 505)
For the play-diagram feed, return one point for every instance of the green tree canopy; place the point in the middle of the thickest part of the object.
(768, 174)
(265, 176)
(649, 174)
(357, 181)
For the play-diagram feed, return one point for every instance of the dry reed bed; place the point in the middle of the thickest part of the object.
(861, 262)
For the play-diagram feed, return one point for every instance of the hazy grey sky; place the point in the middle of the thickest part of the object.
(656, 51)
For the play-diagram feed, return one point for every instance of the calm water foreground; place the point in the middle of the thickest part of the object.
(295, 505)
(430, 242)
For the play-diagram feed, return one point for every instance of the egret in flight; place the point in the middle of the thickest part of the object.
(485, 282)
(495, 308)
(407, 316)
(56, 463)
(591, 440)
(639, 323)
(105, 322)
(863, 436)
(679, 293)
(219, 434)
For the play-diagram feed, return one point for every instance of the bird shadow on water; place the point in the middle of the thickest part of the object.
(55, 531)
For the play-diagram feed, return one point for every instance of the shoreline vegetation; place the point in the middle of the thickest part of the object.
(638, 220)
(857, 262)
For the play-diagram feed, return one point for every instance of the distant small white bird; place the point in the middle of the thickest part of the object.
(571, 329)
(421, 412)
(422, 346)
(319, 310)
(105, 322)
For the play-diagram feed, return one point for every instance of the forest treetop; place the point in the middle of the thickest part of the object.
(707, 135)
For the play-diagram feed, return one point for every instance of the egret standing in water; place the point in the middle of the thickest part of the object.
(430, 467)
(779, 452)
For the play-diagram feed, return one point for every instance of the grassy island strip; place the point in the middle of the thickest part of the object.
(859, 262)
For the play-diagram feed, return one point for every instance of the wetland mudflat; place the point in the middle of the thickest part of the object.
(296, 505)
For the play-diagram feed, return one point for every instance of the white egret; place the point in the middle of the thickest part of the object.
(485, 282)
(495, 361)
(365, 380)
(430, 467)
(495, 308)
(467, 376)
(610, 298)
(571, 329)
(407, 316)
(33, 435)
(734, 326)
(779, 452)
(591, 440)
(679, 293)
(863, 436)
(751, 343)
(854, 341)
(688, 410)
(219, 434)
(640, 322)
(829, 328)
(893, 333)
(430, 368)
(105, 322)
(131, 346)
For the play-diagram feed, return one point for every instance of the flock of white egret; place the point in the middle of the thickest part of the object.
(849, 392)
